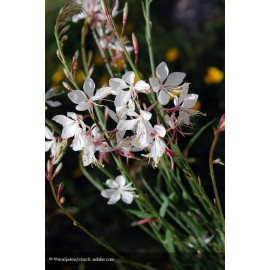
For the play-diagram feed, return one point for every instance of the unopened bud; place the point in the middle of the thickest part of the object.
(218, 161)
(67, 86)
(91, 70)
(222, 123)
(125, 13)
(59, 55)
(66, 73)
(135, 44)
(65, 29)
(58, 168)
(48, 165)
(75, 57)
(57, 159)
(64, 38)
(62, 200)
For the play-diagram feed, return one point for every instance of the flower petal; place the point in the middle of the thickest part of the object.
(83, 106)
(155, 84)
(141, 86)
(102, 93)
(129, 77)
(89, 87)
(145, 115)
(53, 103)
(122, 98)
(127, 197)
(113, 115)
(162, 71)
(120, 180)
(160, 130)
(107, 193)
(77, 96)
(175, 79)
(48, 134)
(117, 84)
(48, 145)
(115, 197)
(69, 131)
(190, 101)
(62, 120)
(111, 183)
(163, 97)
(127, 124)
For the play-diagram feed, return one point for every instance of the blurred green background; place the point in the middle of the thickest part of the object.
(189, 36)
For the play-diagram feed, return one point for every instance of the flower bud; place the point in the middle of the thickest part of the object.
(58, 168)
(125, 14)
(67, 86)
(135, 44)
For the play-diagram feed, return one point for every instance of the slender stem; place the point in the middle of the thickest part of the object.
(212, 149)
(83, 35)
(146, 11)
(102, 53)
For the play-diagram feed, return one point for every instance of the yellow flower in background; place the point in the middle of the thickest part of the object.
(213, 76)
(104, 80)
(197, 106)
(80, 76)
(98, 60)
(137, 79)
(172, 55)
(120, 64)
(129, 28)
(58, 76)
(76, 172)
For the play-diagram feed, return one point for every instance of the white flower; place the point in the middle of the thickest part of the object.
(86, 98)
(51, 144)
(157, 146)
(125, 89)
(118, 190)
(52, 93)
(88, 153)
(165, 82)
(72, 127)
(140, 126)
(185, 102)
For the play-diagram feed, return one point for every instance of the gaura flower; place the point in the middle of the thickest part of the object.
(51, 144)
(119, 190)
(86, 98)
(126, 89)
(73, 126)
(165, 82)
(157, 146)
(52, 93)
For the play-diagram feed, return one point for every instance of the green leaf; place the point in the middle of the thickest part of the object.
(197, 135)
(164, 206)
(169, 242)
(140, 214)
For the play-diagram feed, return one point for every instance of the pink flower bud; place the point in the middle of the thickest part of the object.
(135, 44)
(125, 14)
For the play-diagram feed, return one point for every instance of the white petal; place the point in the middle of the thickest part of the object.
(129, 77)
(117, 84)
(160, 130)
(127, 197)
(127, 124)
(53, 149)
(163, 97)
(184, 118)
(69, 131)
(115, 197)
(162, 71)
(102, 93)
(122, 98)
(48, 134)
(121, 181)
(141, 86)
(113, 115)
(111, 183)
(107, 193)
(190, 101)
(184, 93)
(89, 87)
(145, 115)
(62, 120)
(72, 115)
(53, 103)
(83, 106)
(77, 96)
(175, 79)
(48, 145)
(155, 84)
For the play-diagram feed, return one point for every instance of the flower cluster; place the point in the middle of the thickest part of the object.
(134, 132)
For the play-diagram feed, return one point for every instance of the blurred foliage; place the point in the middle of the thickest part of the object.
(189, 36)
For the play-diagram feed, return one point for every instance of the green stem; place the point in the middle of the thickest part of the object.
(102, 54)
(212, 149)
(83, 35)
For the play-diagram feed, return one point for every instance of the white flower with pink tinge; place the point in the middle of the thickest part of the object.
(126, 89)
(86, 98)
(73, 126)
(158, 146)
(118, 189)
(165, 82)
(51, 144)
